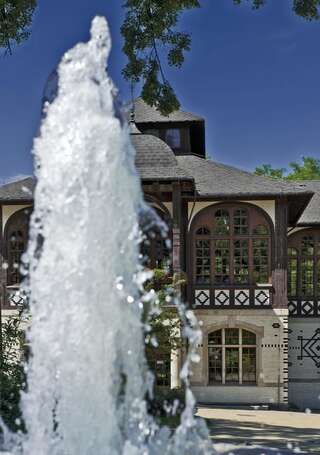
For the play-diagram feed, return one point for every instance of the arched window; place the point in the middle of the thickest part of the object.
(16, 236)
(304, 264)
(232, 246)
(232, 356)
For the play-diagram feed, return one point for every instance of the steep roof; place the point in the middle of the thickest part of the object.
(155, 160)
(220, 180)
(311, 215)
(147, 114)
(215, 180)
(18, 191)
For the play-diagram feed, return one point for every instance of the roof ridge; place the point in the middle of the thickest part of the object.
(10, 182)
(177, 110)
(292, 183)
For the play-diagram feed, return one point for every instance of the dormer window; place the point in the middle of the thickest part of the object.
(173, 138)
(178, 139)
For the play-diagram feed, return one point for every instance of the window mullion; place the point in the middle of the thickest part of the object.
(231, 258)
(299, 284)
(212, 263)
(315, 275)
(250, 259)
(223, 357)
(240, 356)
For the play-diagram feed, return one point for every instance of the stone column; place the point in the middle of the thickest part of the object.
(175, 369)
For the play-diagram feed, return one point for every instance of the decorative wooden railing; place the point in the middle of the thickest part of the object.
(12, 297)
(304, 308)
(233, 297)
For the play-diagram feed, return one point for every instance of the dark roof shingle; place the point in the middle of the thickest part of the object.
(19, 190)
(311, 215)
(147, 114)
(219, 180)
(155, 160)
(215, 180)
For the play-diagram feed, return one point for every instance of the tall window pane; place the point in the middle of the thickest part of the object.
(292, 276)
(222, 222)
(240, 222)
(203, 261)
(241, 261)
(215, 364)
(307, 277)
(260, 261)
(249, 364)
(232, 365)
(222, 262)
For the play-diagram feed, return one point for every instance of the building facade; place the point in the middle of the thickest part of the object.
(250, 249)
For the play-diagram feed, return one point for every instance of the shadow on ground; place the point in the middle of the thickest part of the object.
(250, 433)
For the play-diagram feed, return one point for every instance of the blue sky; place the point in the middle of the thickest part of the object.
(254, 76)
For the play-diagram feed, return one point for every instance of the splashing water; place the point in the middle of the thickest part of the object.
(87, 376)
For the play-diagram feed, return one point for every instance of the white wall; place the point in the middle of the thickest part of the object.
(271, 356)
(236, 394)
(304, 374)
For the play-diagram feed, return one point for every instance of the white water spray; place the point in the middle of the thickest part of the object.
(86, 377)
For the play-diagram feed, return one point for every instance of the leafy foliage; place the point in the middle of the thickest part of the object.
(164, 323)
(149, 25)
(309, 169)
(268, 171)
(15, 20)
(12, 375)
(308, 9)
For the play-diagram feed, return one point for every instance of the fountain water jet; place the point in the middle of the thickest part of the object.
(87, 374)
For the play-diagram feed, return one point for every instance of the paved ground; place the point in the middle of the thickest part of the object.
(280, 429)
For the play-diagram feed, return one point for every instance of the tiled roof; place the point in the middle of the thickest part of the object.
(19, 190)
(219, 180)
(215, 180)
(147, 114)
(311, 215)
(155, 160)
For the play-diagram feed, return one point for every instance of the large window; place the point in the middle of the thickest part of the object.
(232, 356)
(16, 237)
(231, 246)
(304, 264)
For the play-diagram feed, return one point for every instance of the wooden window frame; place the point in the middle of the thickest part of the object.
(239, 346)
(256, 217)
(295, 243)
